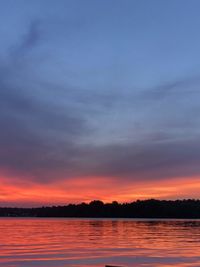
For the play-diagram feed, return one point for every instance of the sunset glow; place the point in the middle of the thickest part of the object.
(78, 190)
(97, 107)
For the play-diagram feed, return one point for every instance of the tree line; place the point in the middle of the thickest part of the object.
(150, 208)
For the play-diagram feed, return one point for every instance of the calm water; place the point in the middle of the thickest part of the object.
(79, 242)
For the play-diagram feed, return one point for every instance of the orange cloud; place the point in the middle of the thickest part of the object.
(15, 193)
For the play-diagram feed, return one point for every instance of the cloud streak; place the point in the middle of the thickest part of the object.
(42, 138)
(69, 112)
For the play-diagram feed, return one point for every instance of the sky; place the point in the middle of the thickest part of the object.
(99, 100)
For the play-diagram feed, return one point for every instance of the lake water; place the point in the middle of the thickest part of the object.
(90, 242)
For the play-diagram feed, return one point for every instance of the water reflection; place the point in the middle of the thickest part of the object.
(75, 243)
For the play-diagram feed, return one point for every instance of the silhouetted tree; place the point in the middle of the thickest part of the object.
(150, 208)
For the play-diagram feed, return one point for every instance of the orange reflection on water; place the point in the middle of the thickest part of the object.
(70, 242)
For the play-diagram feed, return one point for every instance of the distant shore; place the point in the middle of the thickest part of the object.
(151, 208)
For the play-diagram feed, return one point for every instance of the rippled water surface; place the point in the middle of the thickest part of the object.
(89, 242)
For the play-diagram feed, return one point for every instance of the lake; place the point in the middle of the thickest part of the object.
(96, 242)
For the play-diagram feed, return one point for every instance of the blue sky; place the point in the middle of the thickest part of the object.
(99, 88)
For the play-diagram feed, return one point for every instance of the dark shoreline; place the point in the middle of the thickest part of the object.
(140, 209)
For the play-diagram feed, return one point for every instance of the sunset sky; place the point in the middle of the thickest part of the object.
(99, 99)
